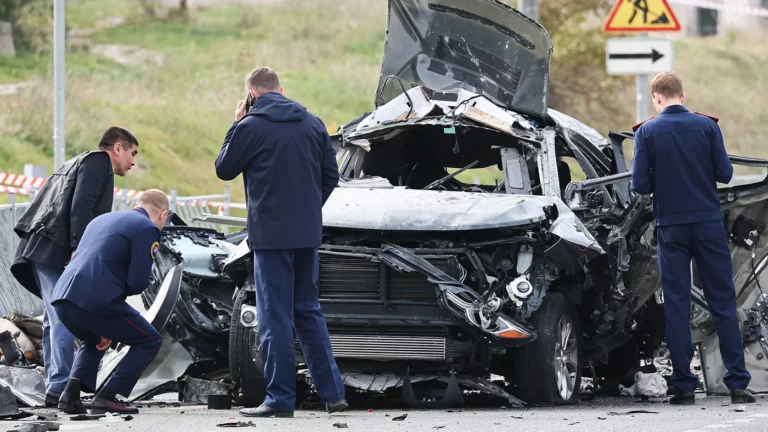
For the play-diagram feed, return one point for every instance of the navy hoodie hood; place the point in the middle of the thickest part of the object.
(277, 108)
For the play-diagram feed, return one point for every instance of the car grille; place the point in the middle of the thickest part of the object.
(407, 343)
(343, 277)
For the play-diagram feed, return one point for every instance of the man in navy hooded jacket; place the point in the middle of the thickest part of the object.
(289, 170)
(679, 158)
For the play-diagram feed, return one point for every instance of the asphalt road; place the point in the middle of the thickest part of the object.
(601, 414)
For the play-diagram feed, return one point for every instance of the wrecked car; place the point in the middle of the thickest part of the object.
(475, 234)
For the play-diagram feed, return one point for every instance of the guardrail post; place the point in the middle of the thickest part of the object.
(124, 193)
(12, 203)
(227, 199)
(173, 200)
(32, 195)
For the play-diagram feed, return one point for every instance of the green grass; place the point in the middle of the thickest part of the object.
(328, 55)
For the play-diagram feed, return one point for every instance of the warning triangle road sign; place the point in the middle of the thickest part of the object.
(642, 16)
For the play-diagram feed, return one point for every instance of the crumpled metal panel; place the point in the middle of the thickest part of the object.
(419, 210)
(381, 381)
(198, 259)
(479, 45)
(26, 384)
(568, 122)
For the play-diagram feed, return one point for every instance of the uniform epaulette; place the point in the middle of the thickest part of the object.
(707, 115)
(637, 126)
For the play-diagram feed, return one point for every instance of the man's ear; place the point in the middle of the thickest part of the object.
(682, 98)
(281, 89)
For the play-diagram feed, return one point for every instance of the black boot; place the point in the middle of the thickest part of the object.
(70, 402)
(741, 396)
(683, 398)
(336, 406)
(52, 399)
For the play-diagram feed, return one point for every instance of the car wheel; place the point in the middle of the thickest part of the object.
(548, 370)
(246, 368)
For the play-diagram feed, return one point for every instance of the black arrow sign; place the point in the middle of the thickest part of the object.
(654, 56)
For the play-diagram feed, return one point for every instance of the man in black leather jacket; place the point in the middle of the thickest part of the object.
(50, 231)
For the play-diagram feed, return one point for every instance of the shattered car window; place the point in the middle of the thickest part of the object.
(507, 59)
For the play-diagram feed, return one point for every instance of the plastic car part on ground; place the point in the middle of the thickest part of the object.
(649, 385)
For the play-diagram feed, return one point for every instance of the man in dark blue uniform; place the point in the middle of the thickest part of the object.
(51, 230)
(679, 158)
(114, 261)
(289, 169)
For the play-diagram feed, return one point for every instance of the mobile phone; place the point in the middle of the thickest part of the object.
(248, 102)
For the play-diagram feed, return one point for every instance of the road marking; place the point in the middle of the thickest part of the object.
(759, 415)
(716, 426)
(741, 421)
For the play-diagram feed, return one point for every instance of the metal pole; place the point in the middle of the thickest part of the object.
(227, 199)
(530, 8)
(643, 94)
(174, 194)
(59, 36)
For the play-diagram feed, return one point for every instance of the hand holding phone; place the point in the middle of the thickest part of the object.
(243, 107)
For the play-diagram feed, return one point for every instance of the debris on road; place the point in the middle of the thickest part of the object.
(236, 424)
(519, 418)
(84, 417)
(741, 408)
(340, 425)
(113, 418)
(26, 384)
(648, 385)
(632, 412)
(198, 390)
(400, 418)
(37, 427)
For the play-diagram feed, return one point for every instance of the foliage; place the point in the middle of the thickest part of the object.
(8, 9)
(579, 83)
(33, 27)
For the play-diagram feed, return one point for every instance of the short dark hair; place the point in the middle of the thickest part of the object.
(263, 80)
(117, 134)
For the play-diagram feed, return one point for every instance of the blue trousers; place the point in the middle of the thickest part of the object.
(58, 341)
(130, 329)
(708, 244)
(287, 298)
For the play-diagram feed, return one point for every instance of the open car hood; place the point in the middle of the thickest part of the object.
(482, 46)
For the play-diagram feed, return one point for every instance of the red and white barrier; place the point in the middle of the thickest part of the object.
(23, 185)
(709, 4)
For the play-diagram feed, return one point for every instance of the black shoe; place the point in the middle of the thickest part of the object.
(71, 405)
(337, 406)
(741, 396)
(52, 399)
(683, 398)
(264, 411)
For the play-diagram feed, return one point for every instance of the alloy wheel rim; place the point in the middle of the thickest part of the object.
(566, 355)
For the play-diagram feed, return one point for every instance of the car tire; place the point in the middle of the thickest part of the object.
(246, 368)
(538, 376)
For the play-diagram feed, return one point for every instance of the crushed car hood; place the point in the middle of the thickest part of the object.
(400, 209)
(480, 45)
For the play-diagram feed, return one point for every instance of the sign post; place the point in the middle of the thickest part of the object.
(640, 56)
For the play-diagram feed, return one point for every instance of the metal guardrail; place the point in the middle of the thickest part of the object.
(193, 209)
(12, 295)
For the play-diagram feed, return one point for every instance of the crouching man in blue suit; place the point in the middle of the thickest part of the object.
(114, 261)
